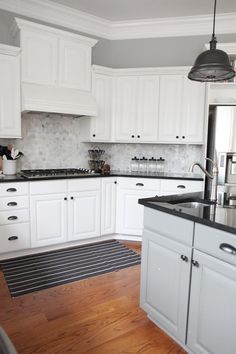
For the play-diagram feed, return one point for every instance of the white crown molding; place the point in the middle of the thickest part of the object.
(60, 15)
(9, 50)
(20, 24)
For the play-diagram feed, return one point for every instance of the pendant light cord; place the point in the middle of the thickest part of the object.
(214, 20)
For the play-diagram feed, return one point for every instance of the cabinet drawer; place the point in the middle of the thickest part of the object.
(12, 189)
(84, 184)
(140, 183)
(180, 186)
(14, 216)
(215, 242)
(48, 187)
(170, 226)
(14, 203)
(14, 237)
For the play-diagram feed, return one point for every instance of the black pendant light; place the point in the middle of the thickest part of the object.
(213, 64)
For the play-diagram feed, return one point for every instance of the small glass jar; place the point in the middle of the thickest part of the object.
(160, 165)
(143, 165)
(151, 168)
(134, 165)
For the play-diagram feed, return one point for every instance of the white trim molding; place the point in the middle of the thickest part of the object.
(75, 20)
(9, 50)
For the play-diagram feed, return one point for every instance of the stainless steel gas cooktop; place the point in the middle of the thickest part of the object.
(60, 173)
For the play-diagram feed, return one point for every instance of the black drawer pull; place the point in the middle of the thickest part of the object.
(181, 186)
(13, 217)
(12, 238)
(12, 203)
(139, 184)
(228, 248)
(11, 190)
(195, 263)
(184, 258)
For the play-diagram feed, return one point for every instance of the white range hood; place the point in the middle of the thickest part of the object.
(55, 70)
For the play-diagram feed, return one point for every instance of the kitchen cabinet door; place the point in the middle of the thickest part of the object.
(74, 64)
(165, 277)
(125, 108)
(212, 312)
(108, 206)
(48, 219)
(10, 105)
(101, 125)
(193, 117)
(147, 106)
(171, 91)
(39, 57)
(84, 214)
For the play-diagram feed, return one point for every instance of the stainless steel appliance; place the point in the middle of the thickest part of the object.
(56, 173)
(221, 147)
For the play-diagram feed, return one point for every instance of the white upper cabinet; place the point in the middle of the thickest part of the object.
(136, 108)
(182, 110)
(10, 108)
(56, 69)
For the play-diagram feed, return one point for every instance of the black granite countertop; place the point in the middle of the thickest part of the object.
(223, 218)
(163, 175)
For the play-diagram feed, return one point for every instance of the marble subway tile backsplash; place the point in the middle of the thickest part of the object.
(52, 141)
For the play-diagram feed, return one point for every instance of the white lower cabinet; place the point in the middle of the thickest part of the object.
(84, 215)
(212, 312)
(165, 284)
(48, 219)
(108, 205)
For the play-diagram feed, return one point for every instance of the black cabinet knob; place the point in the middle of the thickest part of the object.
(94, 135)
(115, 182)
(132, 136)
(71, 198)
(184, 258)
(195, 263)
(183, 137)
(138, 136)
(65, 198)
(177, 137)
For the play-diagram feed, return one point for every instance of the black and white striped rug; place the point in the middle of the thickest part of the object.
(45, 270)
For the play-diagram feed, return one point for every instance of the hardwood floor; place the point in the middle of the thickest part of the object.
(98, 315)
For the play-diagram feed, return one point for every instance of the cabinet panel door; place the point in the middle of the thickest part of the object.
(108, 206)
(125, 108)
(212, 313)
(48, 219)
(75, 65)
(39, 57)
(10, 106)
(147, 103)
(193, 111)
(84, 215)
(129, 215)
(101, 124)
(165, 283)
(171, 91)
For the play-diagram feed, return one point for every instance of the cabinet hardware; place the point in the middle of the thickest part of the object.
(195, 263)
(11, 190)
(94, 135)
(12, 203)
(183, 137)
(138, 136)
(184, 258)
(132, 136)
(71, 198)
(177, 137)
(228, 248)
(181, 186)
(12, 238)
(140, 184)
(13, 217)
(115, 182)
(65, 198)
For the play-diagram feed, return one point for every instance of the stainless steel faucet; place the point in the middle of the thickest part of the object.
(213, 176)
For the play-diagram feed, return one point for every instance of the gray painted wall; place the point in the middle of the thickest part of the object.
(135, 52)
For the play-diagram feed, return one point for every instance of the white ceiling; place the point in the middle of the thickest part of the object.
(117, 10)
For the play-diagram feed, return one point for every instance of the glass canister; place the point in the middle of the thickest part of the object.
(151, 168)
(134, 165)
(160, 164)
(143, 165)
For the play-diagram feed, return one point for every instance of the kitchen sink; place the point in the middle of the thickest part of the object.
(193, 205)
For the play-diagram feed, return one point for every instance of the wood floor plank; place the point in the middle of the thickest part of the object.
(99, 315)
